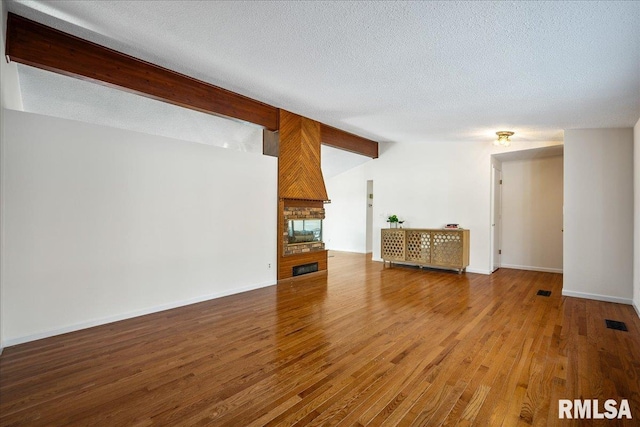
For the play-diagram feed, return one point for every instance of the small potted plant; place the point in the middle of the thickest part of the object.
(394, 221)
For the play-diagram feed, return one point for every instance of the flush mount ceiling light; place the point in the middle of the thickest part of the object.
(503, 138)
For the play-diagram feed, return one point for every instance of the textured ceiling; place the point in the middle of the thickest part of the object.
(409, 72)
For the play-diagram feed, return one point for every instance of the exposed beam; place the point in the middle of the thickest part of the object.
(347, 141)
(40, 46)
(34, 44)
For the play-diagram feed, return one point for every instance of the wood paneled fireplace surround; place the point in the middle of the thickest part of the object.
(302, 194)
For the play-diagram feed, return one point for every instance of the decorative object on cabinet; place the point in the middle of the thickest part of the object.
(426, 247)
(394, 221)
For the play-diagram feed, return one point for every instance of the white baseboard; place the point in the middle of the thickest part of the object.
(637, 308)
(137, 313)
(530, 268)
(597, 297)
(478, 271)
(351, 251)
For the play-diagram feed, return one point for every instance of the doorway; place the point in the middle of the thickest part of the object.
(369, 207)
(496, 218)
(526, 209)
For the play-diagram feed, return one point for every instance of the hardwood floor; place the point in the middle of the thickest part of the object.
(366, 345)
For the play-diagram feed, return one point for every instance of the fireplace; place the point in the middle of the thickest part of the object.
(301, 194)
(302, 231)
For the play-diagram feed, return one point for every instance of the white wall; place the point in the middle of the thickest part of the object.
(9, 98)
(345, 224)
(102, 224)
(532, 214)
(427, 185)
(636, 210)
(598, 216)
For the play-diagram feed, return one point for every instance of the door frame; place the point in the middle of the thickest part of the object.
(496, 218)
(369, 218)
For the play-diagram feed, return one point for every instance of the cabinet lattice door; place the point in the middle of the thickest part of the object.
(418, 246)
(447, 248)
(426, 247)
(393, 245)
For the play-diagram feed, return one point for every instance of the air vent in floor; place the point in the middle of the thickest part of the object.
(544, 293)
(614, 324)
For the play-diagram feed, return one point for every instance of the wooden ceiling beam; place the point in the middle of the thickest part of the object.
(34, 44)
(337, 138)
(40, 46)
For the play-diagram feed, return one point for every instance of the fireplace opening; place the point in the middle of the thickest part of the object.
(304, 231)
(299, 270)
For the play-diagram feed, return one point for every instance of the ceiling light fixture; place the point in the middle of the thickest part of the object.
(503, 138)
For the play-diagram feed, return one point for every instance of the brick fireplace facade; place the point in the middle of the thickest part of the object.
(290, 213)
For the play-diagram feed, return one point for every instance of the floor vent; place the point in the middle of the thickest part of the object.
(299, 270)
(614, 324)
(544, 293)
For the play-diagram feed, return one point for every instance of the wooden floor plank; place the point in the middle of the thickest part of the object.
(366, 345)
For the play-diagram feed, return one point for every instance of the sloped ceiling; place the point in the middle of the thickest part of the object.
(53, 94)
(406, 72)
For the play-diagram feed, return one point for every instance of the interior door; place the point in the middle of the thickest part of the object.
(496, 219)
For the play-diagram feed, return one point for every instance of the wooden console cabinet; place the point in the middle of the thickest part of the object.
(439, 248)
